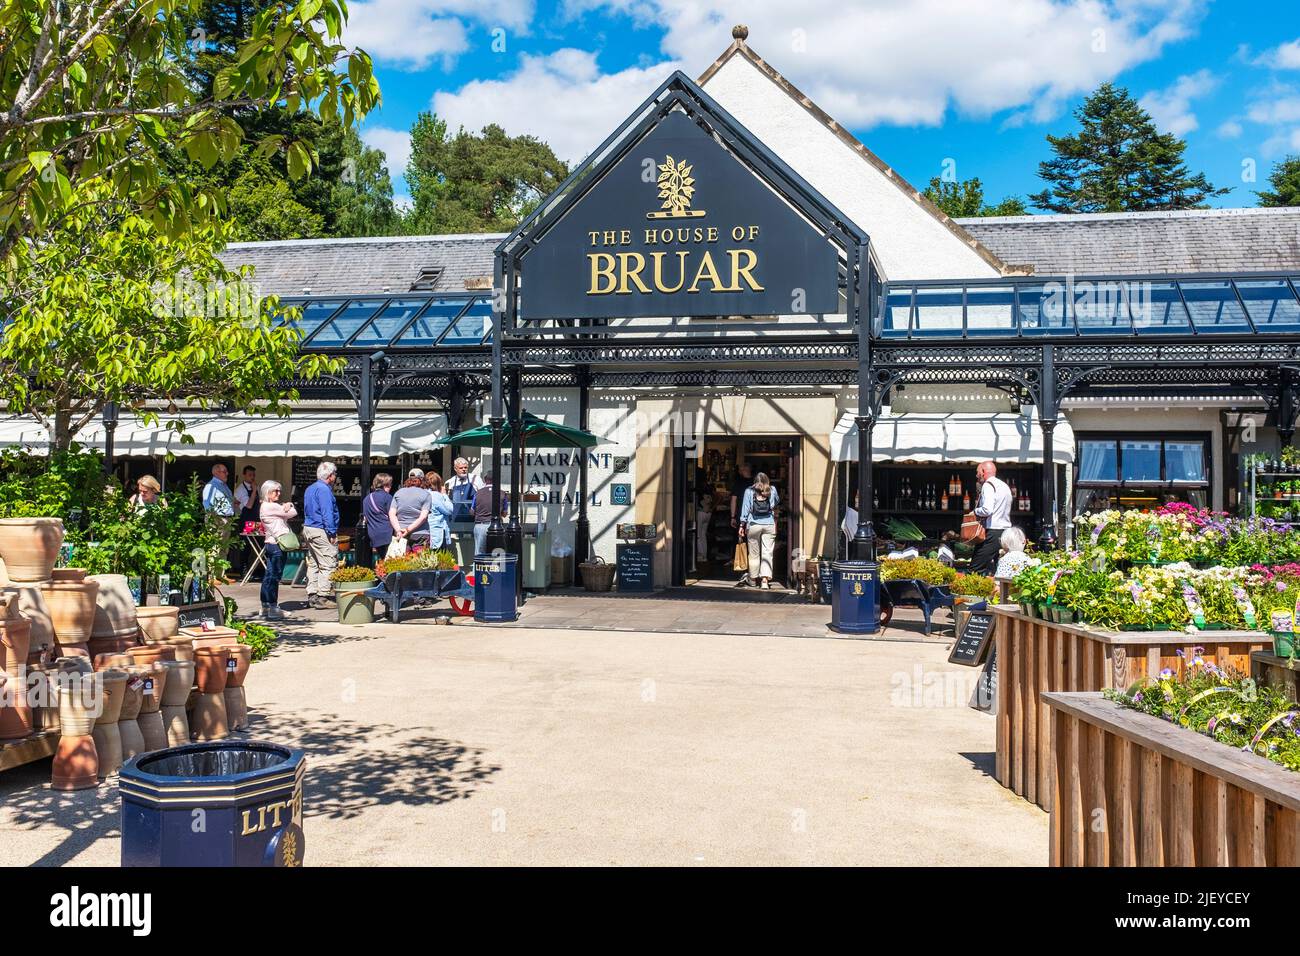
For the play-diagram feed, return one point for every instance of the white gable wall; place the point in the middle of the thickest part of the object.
(909, 242)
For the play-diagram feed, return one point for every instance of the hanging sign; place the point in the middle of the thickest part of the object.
(679, 227)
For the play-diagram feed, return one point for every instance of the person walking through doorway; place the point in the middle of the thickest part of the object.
(758, 518)
(993, 508)
(739, 487)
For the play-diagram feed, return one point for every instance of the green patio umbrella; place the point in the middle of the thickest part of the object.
(536, 433)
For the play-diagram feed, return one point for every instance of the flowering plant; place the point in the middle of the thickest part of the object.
(922, 569)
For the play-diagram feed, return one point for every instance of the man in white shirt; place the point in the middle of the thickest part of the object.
(994, 511)
(462, 488)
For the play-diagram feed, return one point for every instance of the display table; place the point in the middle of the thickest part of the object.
(1036, 656)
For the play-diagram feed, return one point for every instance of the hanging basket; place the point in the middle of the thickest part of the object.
(597, 574)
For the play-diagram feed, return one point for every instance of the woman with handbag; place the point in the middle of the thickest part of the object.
(279, 539)
(758, 521)
(374, 513)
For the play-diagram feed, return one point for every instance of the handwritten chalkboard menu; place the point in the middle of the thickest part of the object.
(193, 615)
(973, 642)
(985, 697)
(636, 567)
(304, 474)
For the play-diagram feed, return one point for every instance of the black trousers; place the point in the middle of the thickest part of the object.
(985, 559)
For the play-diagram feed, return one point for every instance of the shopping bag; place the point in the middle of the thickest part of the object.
(741, 561)
(396, 548)
(972, 529)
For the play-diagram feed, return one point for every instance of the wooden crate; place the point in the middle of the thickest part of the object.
(1270, 670)
(1035, 656)
(1134, 790)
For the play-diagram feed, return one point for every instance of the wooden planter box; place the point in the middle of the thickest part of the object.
(1135, 790)
(1035, 656)
(1272, 671)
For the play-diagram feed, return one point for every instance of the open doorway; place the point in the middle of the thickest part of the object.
(704, 547)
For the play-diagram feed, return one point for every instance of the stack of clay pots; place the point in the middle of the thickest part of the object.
(79, 693)
(70, 599)
(108, 739)
(128, 726)
(208, 719)
(15, 634)
(175, 694)
(115, 628)
(152, 728)
(158, 623)
(241, 657)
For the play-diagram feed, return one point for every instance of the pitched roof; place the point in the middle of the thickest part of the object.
(739, 47)
(369, 265)
(1196, 240)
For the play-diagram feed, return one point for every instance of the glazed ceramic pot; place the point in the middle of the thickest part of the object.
(108, 740)
(128, 727)
(114, 608)
(31, 604)
(104, 661)
(210, 665)
(15, 633)
(72, 608)
(68, 574)
(241, 658)
(151, 653)
(208, 720)
(80, 698)
(30, 546)
(158, 623)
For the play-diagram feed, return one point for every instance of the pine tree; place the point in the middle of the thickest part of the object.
(1119, 162)
(1285, 180)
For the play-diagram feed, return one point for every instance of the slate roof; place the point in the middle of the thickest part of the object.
(342, 266)
(1199, 240)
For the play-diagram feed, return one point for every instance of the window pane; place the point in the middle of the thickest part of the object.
(1042, 309)
(432, 323)
(1156, 307)
(1098, 461)
(1141, 460)
(898, 305)
(314, 313)
(938, 312)
(1214, 306)
(1271, 305)
(1099, 307)
(1185, 461)
(472, 326)
(340, 328)
(988, 311)
(388, 323)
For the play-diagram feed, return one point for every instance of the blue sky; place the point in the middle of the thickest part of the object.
(972, 83)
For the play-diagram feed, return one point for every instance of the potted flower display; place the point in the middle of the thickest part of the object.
(350, 585)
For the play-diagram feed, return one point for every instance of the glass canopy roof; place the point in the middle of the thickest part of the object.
(1087, 305)
(397, 321)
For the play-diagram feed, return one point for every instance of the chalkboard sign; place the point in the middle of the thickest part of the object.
(825, 579)
(973, 641)
(636, 567)
(304, 475)
(985, 696)
(193, 615)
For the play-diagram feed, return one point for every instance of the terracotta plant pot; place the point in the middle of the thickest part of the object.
(114, 608)
(236, 708)
(151, 653)
(241, 655)
(128, 727)
(176, 691)
(40, 683)
(210, 665)
(158, 623)
(155, 676)
(73, 575)
(108, 740)
(182, 647)
(31, 604)
(208, 720)
(72, 608)
(30, 546)
(80, 698)
(15, 634)
(104, 661)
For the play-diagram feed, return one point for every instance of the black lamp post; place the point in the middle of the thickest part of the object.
(110, 427)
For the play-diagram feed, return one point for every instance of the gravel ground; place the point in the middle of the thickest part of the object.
(473, 745)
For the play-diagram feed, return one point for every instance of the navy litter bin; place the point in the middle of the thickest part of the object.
(221, 803)
(855, 597)
(495, 583)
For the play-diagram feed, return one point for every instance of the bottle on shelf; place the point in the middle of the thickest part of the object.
(943, 502)
(965, 501)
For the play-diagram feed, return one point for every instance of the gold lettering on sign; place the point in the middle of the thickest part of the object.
(660, 285)
(602, 268)
(707, 271)
(631, 274)
(737, 270)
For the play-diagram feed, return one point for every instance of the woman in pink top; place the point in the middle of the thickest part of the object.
(275, 520)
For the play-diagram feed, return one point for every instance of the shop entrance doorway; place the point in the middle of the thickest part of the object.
(706, 478)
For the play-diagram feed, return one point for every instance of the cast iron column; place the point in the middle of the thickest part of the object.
(366, 419)
(110, 427)
(582, 532)
(1286, 409)
(515, 527)
(863, 546)
(1047, 540)
(496, 531)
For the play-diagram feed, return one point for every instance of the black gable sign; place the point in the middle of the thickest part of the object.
(679, 227)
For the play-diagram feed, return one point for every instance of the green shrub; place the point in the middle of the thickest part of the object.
(351, 572)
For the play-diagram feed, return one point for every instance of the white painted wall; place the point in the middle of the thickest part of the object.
(909, 242)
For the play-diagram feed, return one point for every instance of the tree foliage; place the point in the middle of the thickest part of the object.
(108, 309)
(103, 91)
(965, 199)
(1285, 180)
(475, 182)
(1119, 162)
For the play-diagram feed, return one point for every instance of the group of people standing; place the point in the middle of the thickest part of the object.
(420, 513)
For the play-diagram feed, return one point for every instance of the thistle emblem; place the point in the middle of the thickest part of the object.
(676, 188)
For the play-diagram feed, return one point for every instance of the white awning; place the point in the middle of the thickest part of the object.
(249, 436)
(969, 438)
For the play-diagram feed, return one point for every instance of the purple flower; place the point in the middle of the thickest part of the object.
(1166, 674)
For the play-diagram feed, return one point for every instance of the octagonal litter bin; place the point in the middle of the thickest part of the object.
(219, 803)
(495, 581)
(855, 597)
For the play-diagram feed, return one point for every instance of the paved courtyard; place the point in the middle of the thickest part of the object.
(474, 745)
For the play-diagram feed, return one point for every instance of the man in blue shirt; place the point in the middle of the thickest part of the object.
(216, 493)
(320, 535)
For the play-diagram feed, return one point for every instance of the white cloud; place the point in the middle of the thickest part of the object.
(1283, 57)
(1276, 110)
(910, 61)
(395, 144)
(1229, 129)
(1171, 108)
(561, 98)
(413, 33)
